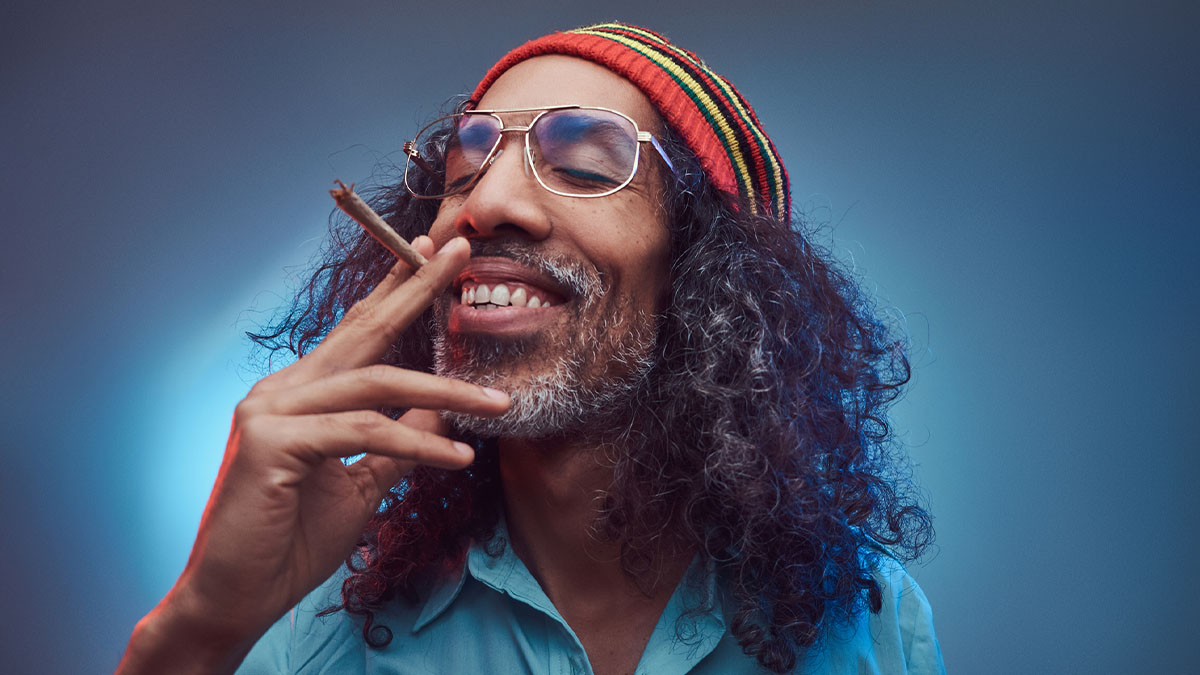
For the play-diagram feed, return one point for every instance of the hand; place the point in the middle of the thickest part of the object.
(285, 510)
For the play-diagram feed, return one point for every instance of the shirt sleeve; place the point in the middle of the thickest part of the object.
(922, 654)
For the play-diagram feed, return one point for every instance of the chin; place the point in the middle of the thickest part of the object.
(580, 384)
(560, 399)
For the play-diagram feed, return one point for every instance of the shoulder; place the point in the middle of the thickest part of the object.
(900, 638)
(302, 637)
(305, 640)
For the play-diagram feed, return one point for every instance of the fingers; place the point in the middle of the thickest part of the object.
(315, 438)
(401, 271)
(326, 404)
(427, 420)
(377, 474)
(316, 363)
(374, 324)
(377, 386)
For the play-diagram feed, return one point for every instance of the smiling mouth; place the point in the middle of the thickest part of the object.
(492, 283)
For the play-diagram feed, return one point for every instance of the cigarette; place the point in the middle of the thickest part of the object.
(357, 209)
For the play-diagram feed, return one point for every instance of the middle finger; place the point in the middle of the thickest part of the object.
(378, 386)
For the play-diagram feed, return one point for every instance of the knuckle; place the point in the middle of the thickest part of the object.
(248, 409)
(433, 447)
(260, 389)
(363, 312)
(427, 281)
(365, 421)
(253, 430)
(378, 373)
(398, 271)
(243, 410)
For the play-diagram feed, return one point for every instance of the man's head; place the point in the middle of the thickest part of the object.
(602, 263)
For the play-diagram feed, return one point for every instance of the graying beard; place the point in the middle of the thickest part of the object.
(557, 403)
(562, 401)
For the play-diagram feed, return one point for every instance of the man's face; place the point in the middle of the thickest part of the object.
(601, 264)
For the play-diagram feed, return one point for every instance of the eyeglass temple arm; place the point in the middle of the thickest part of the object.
(414, 155)
(646, 136)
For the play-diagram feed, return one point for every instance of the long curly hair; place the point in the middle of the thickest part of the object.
(767, 445)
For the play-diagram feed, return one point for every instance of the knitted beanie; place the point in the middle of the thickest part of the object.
(714, 120)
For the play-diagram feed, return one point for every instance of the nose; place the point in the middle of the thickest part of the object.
(506, 200)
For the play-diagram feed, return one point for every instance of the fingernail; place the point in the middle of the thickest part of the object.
(494, 393)
(463, 449)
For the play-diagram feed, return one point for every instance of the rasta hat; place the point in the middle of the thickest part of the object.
(716, 123)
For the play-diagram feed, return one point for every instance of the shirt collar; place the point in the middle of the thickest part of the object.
(672, 645)
(445, 590)
(681, 638)
(493, 571)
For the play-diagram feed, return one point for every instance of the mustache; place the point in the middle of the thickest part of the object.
(580, 279)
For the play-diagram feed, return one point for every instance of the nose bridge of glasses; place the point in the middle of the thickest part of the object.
(499, 147)
(523, 137)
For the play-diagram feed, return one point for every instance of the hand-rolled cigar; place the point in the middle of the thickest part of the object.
(357, 209)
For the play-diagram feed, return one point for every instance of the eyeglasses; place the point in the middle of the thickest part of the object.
(574, 151)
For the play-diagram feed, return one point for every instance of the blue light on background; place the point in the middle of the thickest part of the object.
(196, 388)
(1017, 183)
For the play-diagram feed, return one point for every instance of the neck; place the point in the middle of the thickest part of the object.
(552, 493)
(552, 498)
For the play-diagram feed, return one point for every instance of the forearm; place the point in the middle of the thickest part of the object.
(170, 640)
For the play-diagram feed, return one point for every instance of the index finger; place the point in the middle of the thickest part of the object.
(374, 324)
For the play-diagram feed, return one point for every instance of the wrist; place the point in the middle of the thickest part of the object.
(175, 638)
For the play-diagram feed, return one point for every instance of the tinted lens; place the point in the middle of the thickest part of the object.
(451, 151)
(583, 152)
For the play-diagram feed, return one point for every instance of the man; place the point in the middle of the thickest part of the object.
(670, 447)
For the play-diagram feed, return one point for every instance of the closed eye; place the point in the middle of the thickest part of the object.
(584, 176)
(457, 183)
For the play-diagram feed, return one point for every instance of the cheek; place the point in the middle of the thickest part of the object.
(643, 256)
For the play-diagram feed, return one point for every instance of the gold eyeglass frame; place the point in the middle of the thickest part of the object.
(413, 153)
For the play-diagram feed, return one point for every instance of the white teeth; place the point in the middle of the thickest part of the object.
(483, 297)
(518, 298)
(500, 295)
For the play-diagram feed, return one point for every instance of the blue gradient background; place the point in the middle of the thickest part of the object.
(1017, 182)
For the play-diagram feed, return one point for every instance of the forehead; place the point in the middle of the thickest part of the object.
(565, 80)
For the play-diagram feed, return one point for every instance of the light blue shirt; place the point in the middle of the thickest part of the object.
(493, 617)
